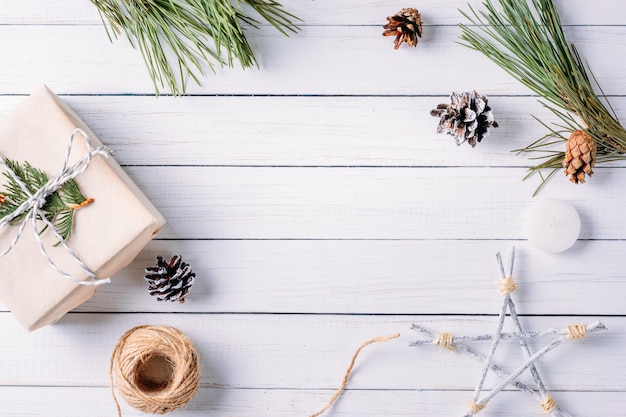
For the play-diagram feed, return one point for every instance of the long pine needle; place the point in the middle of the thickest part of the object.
(526, 39)
(180, 39)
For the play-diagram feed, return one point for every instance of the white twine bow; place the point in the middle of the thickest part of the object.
(36, 201)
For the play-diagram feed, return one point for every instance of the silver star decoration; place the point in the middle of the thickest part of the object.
(456, 343)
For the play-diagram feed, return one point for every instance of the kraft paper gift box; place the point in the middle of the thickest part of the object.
(106, 235)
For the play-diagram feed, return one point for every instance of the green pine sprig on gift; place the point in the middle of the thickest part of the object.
(59, 207)
(526, 39)
(178, 39)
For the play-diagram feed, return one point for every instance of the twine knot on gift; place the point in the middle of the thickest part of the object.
(31, 209)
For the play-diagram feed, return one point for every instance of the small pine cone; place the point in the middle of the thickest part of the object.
(170, 281)
(580, 156)
(468, 117)
(406, 26)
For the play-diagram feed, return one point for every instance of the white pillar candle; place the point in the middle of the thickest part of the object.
(552, 225)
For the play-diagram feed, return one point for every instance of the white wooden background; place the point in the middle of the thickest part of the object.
(319, 209)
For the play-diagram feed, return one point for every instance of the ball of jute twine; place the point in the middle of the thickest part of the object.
(171, 385)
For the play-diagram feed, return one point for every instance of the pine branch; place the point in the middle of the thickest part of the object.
(179, 39)
(59, 206)
(526, 39)
(15, 195)
(71, 194)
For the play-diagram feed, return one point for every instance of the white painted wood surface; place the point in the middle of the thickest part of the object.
(319, 209)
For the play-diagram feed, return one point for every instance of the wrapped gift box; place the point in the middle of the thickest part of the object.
(107, 234)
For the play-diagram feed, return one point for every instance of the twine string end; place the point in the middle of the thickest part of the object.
(348, 372)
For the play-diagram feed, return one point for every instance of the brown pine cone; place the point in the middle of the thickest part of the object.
(170, 281)
(580, 156)
(406, 26)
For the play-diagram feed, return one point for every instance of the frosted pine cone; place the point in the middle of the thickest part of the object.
(406, 26)
(468, 118)
(170, 281)
(580, 156)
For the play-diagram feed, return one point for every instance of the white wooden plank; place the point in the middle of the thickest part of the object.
(302, 131)
(309, 351)
(347, 60)
(375, 277)
(327, 12)
(368, 203)
(63, 402)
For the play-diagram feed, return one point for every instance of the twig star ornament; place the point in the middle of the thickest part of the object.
(454, 343)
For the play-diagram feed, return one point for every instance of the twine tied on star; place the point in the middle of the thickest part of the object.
(32, 207)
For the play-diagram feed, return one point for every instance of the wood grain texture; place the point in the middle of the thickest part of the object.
(326, 12)
(310, 351)
(347, 60)
(304, 131)
(319, 209)
(366, 203)
(225, 402)
(364, 277)
(386, 277)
